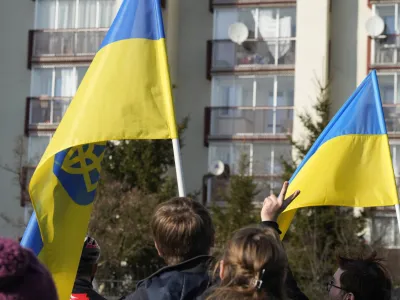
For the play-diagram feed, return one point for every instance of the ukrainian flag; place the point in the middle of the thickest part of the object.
(125, 94)
(350, 163)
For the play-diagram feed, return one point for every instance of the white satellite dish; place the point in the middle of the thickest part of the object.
(238, 32)
(217, 168)
(375, 26)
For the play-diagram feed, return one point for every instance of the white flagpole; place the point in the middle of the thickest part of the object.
(397, 206)
(178, 167)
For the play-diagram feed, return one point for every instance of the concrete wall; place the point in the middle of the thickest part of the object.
(312, 42)
(193, 90)
(16, 18)
(349, 48)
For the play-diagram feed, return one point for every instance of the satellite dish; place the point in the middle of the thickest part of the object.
(217, 168)
(238, 32)
(375, 26)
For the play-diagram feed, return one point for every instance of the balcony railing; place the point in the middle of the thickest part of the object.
(224, 3)
(44, 114)
(385, 52)
(252, 55)
(251, 123)
(392, 118)
(76, 45)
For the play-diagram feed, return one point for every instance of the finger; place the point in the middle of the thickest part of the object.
(290, 199)
(282, 194)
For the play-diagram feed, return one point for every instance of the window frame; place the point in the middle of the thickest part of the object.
(76, 14)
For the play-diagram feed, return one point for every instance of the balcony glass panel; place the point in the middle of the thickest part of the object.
(228, 121)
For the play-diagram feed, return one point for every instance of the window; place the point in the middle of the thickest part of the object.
(390, 15)
(60, 14)
(387, 50)
(260, 105)
(36, 147)
(56, 81)
(264, 158)
(271, 39)
(385, 231)
(389, 84)
(263, 23)
(395, 151)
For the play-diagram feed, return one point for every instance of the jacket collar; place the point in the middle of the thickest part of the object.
(193, 265)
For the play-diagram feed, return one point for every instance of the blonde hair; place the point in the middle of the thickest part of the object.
(255, 266)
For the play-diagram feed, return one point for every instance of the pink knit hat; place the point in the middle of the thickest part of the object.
(22, 276)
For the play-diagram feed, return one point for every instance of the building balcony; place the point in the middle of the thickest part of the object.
(392, 118)
(385, 52)
(225, 56)
(247, 123)
(44, 114)
(226, 3)
(64, 45)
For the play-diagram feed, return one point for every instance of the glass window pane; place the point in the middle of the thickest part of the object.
(66, 13)
(81, 71)
(386, 86)
(59, 109)
(281, 152)
(46, 14)
(223, 19)
(65, 82)
(247, 17)
(229, 91)
(87, 13)
(268, 23)
(386, 12)
(107, 10)
(42, 79)
(285, 91)
(262, 159)
(40, 111)
(265, 91)
(395, 151)
(287, 22)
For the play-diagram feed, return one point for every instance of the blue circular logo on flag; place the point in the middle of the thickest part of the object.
(78, 170)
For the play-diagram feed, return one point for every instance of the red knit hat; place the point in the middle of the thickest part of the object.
(22, 276)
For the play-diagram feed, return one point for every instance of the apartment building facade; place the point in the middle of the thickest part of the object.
(241, 99)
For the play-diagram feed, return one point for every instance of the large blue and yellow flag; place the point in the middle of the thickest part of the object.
(350, 163)
(125, 94)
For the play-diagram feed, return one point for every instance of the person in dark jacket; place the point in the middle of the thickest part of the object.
(183, 234)
(83, 287)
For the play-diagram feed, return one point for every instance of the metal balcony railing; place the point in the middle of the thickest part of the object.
(76, 45)
(248, 122)
(44, 114)
(271, 54)
(385, 52)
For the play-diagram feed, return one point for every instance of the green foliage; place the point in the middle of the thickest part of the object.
(237, 209)
(141, 164)
(134, 181)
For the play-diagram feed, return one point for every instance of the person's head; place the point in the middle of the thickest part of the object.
(22, 276)
(362, 278)
(253, 266)
(182, 229)
(90, 256)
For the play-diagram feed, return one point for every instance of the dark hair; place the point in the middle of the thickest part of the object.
(255, 266)
(365, 277)
(182, 229)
